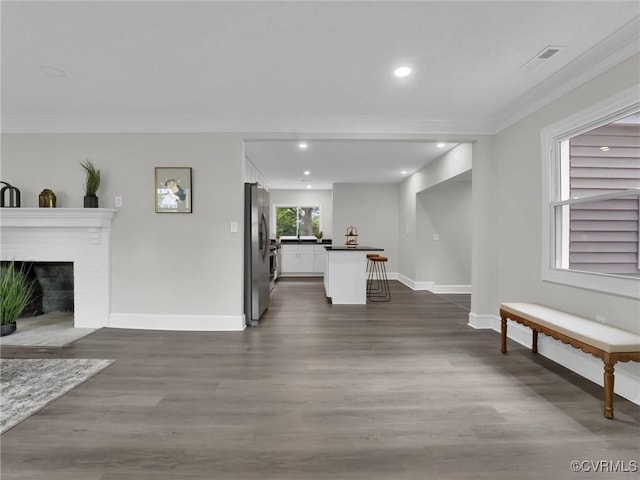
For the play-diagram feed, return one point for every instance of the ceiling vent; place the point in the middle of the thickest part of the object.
(541, 57)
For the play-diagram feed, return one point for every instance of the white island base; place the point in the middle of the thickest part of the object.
(345, 276)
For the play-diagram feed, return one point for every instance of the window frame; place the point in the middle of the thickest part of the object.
(623, 104)
(292, 205)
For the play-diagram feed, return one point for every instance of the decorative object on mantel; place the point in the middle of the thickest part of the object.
(91, 184)
(173, 190)
(352, 237)
(16, 291)
(47, 199)
(14, 196)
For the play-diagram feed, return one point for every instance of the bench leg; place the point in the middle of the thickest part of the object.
(534, 345)
(608, 387)
(503, 334)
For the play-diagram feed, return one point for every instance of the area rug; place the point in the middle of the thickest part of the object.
(29, 385)
(49, 330)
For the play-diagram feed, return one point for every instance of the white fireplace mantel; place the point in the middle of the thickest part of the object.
(78, 235)
(56, 217)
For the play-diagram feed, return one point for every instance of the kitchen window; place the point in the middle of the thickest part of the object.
(297, 221)
(591, 198)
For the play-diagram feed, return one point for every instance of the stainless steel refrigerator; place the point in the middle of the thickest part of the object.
(256, 252)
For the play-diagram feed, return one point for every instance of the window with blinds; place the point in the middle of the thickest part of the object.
(599, 208)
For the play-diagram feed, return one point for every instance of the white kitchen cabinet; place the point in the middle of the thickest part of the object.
(319, 258)
(303, 259)
(297, 258)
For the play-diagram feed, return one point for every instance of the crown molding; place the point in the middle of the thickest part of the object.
(244, 124)
(618, 47)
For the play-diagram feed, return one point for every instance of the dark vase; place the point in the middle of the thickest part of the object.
(90, 201)
(7, 329)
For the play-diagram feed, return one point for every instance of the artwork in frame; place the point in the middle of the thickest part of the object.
(173, 190)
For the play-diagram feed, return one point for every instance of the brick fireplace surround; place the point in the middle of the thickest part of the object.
(78, 235)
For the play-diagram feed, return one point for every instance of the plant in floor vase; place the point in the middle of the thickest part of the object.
(91, 184)
(16, 290)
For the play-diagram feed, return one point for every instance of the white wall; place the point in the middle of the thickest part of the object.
(518, 186)
(445, 211)
(452, 164)
(321, 198)
(373, 209)
(170, 270)
(485, 234)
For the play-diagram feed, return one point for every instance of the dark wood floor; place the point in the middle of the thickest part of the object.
(400, 390)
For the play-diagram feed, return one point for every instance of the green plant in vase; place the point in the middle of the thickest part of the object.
(16, 291)
(91, 184)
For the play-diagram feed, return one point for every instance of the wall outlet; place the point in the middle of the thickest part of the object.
(234, 227)
(436, 237)
(118, 201)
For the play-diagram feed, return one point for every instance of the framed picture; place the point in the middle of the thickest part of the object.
(173, 190)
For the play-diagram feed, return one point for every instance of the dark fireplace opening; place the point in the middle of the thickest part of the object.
(53, 282)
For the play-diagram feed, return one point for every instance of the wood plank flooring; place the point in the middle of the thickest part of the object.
(399, 390)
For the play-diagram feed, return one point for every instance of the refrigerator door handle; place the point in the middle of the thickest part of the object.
(264, 244)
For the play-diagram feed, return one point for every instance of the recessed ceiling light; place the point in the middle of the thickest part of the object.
(303, 145)
(402, 71)
(604, 149)
(440, 145)
(404, 172)
(52, 71)
(307, 172)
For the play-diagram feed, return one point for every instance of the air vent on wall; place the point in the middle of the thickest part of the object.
(542, 56)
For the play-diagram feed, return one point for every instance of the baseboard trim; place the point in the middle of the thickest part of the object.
(626, 383)
(431, 286)
(483, 321)
(202, 323)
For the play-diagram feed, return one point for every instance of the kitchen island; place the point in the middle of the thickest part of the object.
(345, 276)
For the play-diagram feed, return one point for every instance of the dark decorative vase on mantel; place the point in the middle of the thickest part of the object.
(90, 201)
(91, 184)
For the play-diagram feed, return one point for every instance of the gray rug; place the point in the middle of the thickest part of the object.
(49, 330)
(29, 385)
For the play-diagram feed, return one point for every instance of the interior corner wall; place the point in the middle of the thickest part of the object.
(518, 156)
(452, 164)
(321, 198)
(443, 234)
(485, 234)
(373, 209)
(166, 267)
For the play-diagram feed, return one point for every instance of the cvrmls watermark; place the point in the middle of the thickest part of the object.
(604, 466)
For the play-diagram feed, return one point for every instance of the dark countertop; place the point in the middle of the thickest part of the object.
(305, 241)
(358, 248)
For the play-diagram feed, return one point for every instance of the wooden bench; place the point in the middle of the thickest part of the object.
(608, 343)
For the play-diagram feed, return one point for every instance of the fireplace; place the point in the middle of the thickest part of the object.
(77, 236)
(52, 286)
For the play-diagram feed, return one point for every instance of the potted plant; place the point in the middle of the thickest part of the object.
(16, 291)
(91, 184)
(319, 235)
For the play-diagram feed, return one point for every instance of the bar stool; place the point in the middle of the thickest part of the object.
(370, 274)
(378, 274)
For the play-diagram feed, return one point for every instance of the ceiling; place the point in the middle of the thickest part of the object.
(284, 163)
(289, 69)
